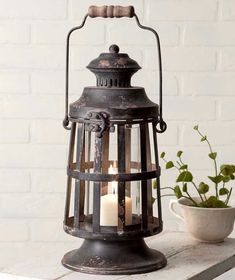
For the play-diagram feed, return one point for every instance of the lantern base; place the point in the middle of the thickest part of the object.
(114, 257)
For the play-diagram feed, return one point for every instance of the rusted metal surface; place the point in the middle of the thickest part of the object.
(132, 231)
(116, 258)
(79, 184)
(105, 177)
(112, 107)
(69, 178)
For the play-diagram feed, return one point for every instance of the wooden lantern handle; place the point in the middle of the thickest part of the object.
(111, 11)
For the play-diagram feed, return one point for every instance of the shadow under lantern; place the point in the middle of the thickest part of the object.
(112, 162)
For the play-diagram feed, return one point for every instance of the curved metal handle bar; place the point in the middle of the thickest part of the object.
(160, 121)
(66, 118)
(162, 124)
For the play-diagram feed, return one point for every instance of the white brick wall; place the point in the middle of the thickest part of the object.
(198, 46)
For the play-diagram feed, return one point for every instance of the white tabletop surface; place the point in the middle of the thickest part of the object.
(187, 259)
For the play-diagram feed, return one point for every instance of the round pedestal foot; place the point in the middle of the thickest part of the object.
(114, 257)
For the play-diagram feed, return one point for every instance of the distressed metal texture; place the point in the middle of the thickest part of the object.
(113, 69)
(159, 203)
(122, 82)
(128, 156)
(114, 258)
(126, 104)
(122, 177)
(110, 232)
(121, 184)
(79, 185)
(134, 165)
(97, 184)
(149, 168)
(144, 190)
(113, 103)
(69, 178)
(105, 161)
(97, 122)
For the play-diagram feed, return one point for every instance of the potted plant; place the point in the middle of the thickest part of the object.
(208, 217)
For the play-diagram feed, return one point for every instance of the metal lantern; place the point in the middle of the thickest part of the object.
(112, 162)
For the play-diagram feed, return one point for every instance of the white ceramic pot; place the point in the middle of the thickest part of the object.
(205, 224)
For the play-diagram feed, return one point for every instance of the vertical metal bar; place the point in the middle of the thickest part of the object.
(121, 169)
(105, 161)
(149, 168)
(69, 179)
(128, 158)
(158, 177)
(88, 158)
(82, 184)
(144, 189)
(77, 198)
(97, 185)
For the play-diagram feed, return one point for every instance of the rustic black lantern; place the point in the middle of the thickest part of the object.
(110, 170)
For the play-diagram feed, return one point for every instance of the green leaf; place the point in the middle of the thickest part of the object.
(153, 199)
(213, 202)
(162, 155)
(185, 166)
(232, 177)
(223, 191)
(226, 179)
(185, 176)
(154, 184)
(169, 164)
(220, 204)
(179, 153)
(177, 192)
(216, 179)
(213, 155)
(203, 188)
(196, 127)
(203, 138)
(227, 169)
(185, 187)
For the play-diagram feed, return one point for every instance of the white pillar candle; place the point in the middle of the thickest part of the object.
(109, 205)
(109, 210)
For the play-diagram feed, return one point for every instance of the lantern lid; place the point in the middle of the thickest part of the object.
(113, 69)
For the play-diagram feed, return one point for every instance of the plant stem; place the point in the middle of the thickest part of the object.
(167, 195)
(198, 191)
(167, 188)
(190, 198)
(205, 196)
(178, 163)
(228, 197)
(182, 162)
(215, 163)
(173, 163)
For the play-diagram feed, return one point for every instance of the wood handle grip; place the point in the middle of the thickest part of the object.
(111, 11)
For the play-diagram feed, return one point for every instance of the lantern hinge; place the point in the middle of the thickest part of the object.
(98, 122)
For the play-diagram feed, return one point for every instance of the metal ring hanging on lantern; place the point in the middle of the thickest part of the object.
(118, 12)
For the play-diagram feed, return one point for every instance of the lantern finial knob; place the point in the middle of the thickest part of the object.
(114, 49)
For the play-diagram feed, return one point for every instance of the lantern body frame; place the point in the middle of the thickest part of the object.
(113, 107)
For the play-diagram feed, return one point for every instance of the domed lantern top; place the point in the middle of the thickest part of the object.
(113, 69)
(114, 92)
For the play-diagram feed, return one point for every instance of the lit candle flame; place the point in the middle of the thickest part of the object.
(114, 184)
